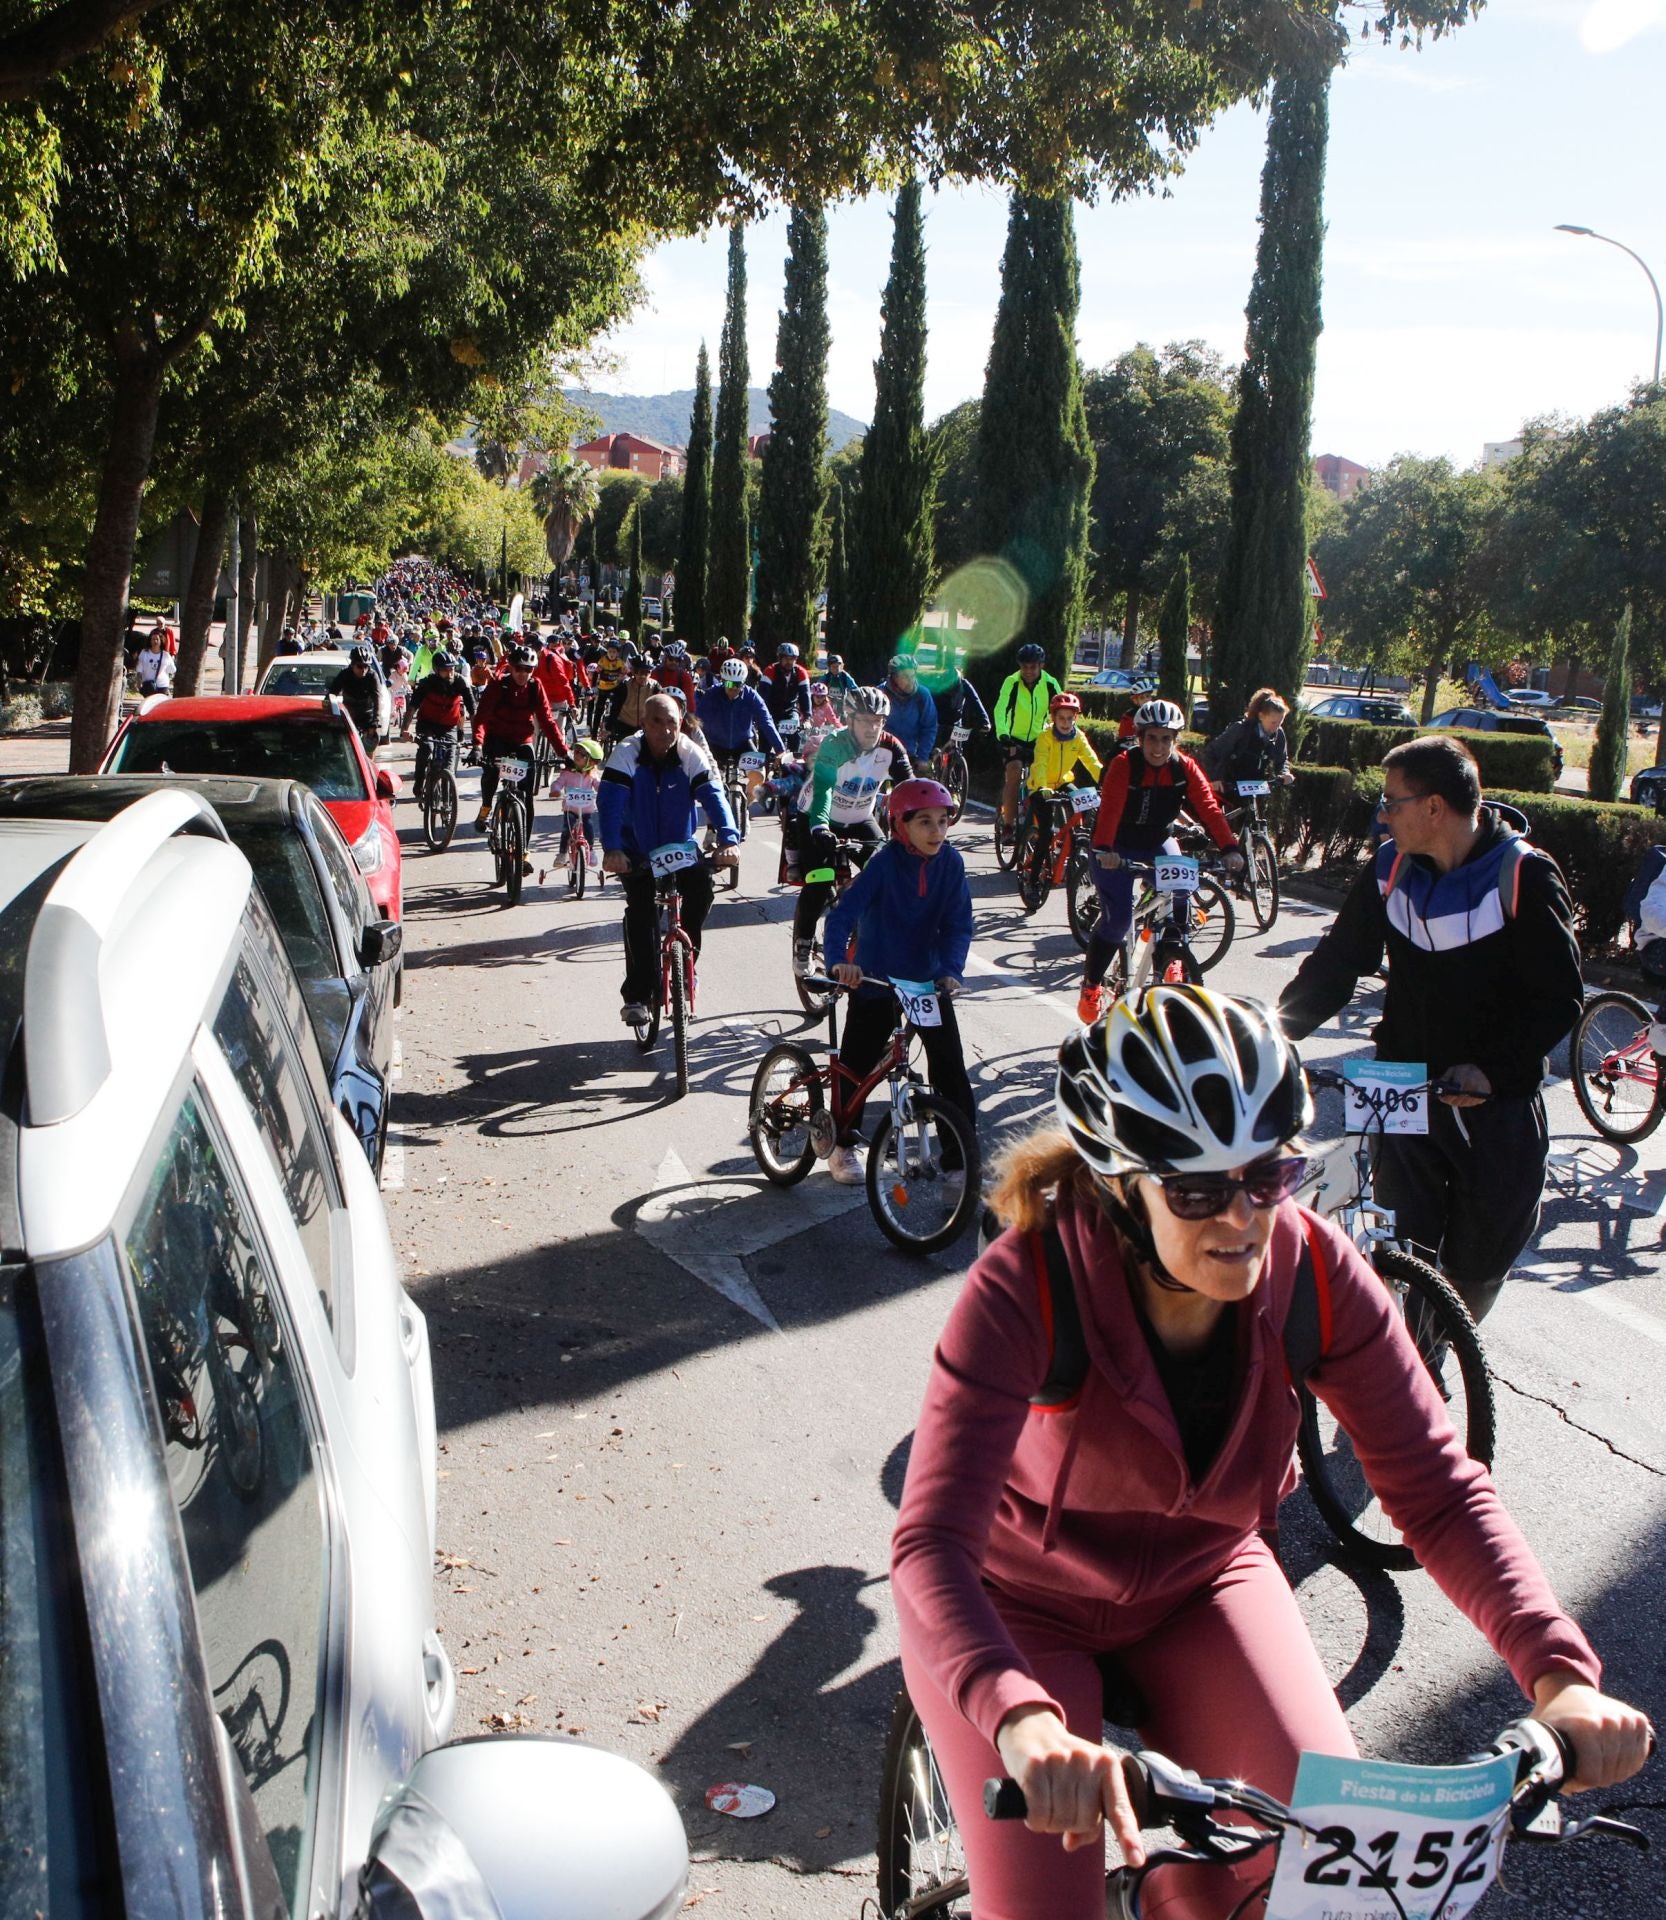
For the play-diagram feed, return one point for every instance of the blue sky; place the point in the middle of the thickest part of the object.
(1452, 311)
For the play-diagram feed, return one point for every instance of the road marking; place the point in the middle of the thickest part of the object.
(396, 1067)
(708, 1226)
(393, 1162)
(1627, 1313)
(975, 963)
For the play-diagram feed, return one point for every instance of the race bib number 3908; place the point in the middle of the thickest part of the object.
(1430, 1837)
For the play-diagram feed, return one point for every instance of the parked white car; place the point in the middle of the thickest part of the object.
(221, 1688)
(300, 674)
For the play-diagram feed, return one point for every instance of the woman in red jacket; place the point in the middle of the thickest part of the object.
(1034, 1539)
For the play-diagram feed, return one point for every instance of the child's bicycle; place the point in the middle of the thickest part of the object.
(578, 809)
(923, 1164)
(1356, 1858)
(1616, 1066)
(1434, 1315)
(1058, 856)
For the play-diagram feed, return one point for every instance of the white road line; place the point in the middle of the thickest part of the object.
(393, 1162)
(1615, 1306)
(975, 963)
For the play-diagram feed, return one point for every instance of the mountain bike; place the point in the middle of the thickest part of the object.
(1054, 856)
(948, 767)
(849, 856)
(1009, 840)
(1182, 925)
(1615, 1066)
(508, 828)
(675, 1000)
(436, 788)
(1436, 1318)
(1439, 1837)
(1258, 883)
(733, 770)
(923, 1162)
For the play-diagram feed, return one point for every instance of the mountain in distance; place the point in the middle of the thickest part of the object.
(665, 417)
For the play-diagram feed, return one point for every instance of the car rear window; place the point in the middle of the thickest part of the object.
(300, 676)
(305, 748)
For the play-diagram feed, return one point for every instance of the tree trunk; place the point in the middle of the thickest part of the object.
(1431, 686)
(1131, 630)
(196, 613)
(248, 572)
(137, 391)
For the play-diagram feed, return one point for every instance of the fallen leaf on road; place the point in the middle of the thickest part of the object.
(506, 1722)
(474, 1669)
(647, 1710)
(701, 1893)
(823, 1832)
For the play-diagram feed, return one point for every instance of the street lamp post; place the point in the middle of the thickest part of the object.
(1590, 233)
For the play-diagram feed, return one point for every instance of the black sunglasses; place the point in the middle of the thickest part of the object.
(1203, 1196)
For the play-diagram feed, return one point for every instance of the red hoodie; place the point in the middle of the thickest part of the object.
(1095, 1504)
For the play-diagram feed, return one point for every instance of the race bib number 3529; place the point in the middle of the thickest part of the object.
(1430, 1837)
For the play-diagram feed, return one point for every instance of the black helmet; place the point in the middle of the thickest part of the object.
(1030, 654)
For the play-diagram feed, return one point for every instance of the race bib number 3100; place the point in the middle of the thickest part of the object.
(1430, 1836)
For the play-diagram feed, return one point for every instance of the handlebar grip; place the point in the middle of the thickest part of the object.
(1004, 1799)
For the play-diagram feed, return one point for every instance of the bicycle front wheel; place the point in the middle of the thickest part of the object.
(1082, 897)
(782, 1113)
(678, 965)
(956, 779)
(439, 809)
(513, 830)
(1616, 1074)
(815, 1004)
(578, 865)
(1035, 877)
(922, 1864)
(1261, 879)
(1007, 839)
(923, 1176)
(1445, 1336)
(738, 806)
(1212, 924)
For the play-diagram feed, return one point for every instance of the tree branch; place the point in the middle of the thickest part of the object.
(32, 54)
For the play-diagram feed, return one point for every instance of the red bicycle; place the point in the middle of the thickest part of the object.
(676, 954)
(923, 1165)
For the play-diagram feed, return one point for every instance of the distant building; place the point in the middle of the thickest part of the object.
(1499, 453)
(1342, 477)
(634, 453)
(755, 445)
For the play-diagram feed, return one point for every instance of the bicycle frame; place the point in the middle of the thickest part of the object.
(847, 1091)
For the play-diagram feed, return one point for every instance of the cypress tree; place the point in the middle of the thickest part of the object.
(729, 563)
(791, 555)
(1034, 456)
(1263, 617)
(1607, 772)
(1174, 630)
(891, 524)
(630, 611)
(838, 576)
(692, 555)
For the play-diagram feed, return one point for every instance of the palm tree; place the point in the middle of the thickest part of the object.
(566, 493)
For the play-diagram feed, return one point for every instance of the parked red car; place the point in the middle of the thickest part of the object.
(278, 739)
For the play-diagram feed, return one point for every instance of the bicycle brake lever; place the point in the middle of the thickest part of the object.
(1553, 1824)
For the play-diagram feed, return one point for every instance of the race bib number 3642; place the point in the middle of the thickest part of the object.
(1428, 1836)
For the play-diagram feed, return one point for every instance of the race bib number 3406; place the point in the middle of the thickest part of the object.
(1430, 1836)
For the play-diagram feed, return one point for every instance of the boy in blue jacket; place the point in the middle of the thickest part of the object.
(906, 916)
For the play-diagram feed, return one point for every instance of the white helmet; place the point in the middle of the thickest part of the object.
(1180, 1080)
(733, 673)
(1158, 713)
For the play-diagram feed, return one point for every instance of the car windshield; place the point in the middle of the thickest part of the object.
(49, 1854)
(303, 748)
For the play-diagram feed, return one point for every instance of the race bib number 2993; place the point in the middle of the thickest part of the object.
(1430, 1837)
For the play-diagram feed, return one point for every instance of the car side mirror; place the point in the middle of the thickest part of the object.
(380, 942)
(523, 1826)
(388, 783)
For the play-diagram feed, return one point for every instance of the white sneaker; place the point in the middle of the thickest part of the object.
(634, 1014)
(847, 1166)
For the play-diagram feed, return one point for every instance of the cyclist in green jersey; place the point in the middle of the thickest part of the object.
(1021, 717)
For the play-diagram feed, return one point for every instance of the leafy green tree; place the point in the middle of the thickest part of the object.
(729, 566)
(1174, 635)
(1609, 750)
(838, 575)
(619, 496)
(1263, 618)
(630, 608)
(954, 444)
(566, 493)
(1160, 422)
(692, 548)
(1034, 457)
(791, 556)
(891, 528)
(661, 515)
(1400, 568)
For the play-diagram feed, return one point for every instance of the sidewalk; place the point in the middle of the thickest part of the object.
(45, 750)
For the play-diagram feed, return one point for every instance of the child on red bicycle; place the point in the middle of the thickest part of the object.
(906, 916)
(1063, 757)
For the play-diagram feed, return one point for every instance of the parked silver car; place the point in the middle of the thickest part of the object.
(221, 1688)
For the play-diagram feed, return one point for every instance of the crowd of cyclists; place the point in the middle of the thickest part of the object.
(1046, 1538)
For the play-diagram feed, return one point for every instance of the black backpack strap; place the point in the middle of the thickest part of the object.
(1307, 1326)
(1061, 1316)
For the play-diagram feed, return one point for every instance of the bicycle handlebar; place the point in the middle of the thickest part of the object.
(1328, 1079)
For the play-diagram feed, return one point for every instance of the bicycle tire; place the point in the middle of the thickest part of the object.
(1435, 1315)
(1605, 1063)
(1007, 841)
(887, 1197)
(767, 1120)
(1035, 877)
(1261, 879)
(514, 842)
(679, 1016)
(439, 809)
(738, 807)
(922, 1865)
(578, 869)
(815, 1004)
(1081, 897)
(1213, 923)
(957, 778)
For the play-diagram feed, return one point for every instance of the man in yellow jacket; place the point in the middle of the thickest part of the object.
(1021, 710)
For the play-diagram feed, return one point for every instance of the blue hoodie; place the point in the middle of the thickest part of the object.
(642, 804)
(727, 724)
(904, 917)
(914, 721)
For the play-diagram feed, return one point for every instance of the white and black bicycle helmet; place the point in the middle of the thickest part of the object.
(1158, 713)
(733, 673)
(874, 700)
(1180, 1080)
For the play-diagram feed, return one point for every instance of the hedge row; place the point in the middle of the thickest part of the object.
(1523, 762)
(1328, 814)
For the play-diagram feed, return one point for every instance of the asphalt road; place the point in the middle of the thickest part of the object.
(675, 1402)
